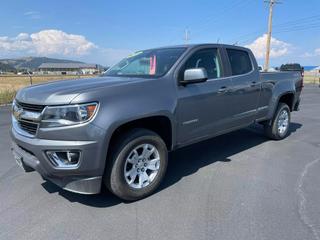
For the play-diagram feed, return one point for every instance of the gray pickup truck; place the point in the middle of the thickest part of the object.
(116, 130)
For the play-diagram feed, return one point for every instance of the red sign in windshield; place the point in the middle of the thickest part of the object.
(153, 62)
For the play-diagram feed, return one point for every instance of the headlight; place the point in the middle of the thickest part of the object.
(68, 115)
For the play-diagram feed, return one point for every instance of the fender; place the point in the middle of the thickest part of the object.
(280, 89)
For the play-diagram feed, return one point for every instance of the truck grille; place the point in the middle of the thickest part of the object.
(28, 125)
(31, 107)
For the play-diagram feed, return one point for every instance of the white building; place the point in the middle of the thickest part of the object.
(67, 68)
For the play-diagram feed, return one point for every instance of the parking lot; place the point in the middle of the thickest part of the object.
(237, 186)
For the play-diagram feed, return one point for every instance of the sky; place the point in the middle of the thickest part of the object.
(105, 31)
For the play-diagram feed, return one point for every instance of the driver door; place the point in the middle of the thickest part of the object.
(203, 109)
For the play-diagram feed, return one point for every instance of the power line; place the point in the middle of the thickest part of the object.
(204, 22)
(298, 29)
(218, 11)
(217, 16)
(288, 26)
(299, 21)
(300, 24)
(276, 29)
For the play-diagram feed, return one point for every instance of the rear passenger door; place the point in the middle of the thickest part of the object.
(246, 86)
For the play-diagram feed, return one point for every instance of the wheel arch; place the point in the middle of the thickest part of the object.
(287, 98)
(160, 124)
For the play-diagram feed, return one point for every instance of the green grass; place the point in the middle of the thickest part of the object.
(6, 95)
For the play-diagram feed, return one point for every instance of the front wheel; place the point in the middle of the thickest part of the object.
(278, 128)
(138, 164)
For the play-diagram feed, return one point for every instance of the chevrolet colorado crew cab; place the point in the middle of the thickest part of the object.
(116, 130)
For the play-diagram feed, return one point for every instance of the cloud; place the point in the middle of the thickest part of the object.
(278, 48)
(47, 42)
(315, 53)
(58, 42)
(33, 14)
(30, 13)
(19, 43)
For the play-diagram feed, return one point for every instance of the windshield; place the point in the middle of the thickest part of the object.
(149, 63)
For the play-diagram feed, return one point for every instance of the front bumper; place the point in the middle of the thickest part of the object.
(86, 178)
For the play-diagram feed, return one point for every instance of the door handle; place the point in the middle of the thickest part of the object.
(222, 89)
(253, 84)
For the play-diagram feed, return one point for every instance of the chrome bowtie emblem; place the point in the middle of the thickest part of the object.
(17, 111)
(20, 114)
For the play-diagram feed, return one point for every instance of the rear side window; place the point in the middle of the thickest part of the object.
(291, 67)
(240, 61)
(204, 58)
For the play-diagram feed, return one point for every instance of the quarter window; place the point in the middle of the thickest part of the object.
(240, 61)
(204, 58)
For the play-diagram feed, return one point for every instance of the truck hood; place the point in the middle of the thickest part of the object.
(63, 92)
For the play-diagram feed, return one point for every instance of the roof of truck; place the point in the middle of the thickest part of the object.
(200, 45)
(190, 46)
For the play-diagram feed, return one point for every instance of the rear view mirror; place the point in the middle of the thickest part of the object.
(194, 75)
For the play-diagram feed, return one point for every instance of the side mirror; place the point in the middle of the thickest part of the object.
(194, 75)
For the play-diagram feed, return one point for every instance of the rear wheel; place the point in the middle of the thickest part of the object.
(278, 128)
(138, 164)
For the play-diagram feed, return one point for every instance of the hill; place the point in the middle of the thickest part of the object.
(6, 68)
(32, 63)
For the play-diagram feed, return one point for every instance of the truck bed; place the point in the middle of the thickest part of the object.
(283, 76)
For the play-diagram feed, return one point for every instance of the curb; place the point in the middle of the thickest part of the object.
(5, 105)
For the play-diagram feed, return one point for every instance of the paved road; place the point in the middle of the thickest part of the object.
(237, 186)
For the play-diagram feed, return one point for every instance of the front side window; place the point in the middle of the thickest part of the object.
(149, 63)
(240, 61)
(207, 59)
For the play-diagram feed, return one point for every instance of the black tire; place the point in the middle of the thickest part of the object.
(271, 128)
(114, 177)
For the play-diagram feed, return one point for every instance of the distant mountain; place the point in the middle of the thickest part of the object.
(309, 68)
(6, 68)
(32, 63)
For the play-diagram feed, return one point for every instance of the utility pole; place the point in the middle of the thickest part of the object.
(186, 35)
(271, 3)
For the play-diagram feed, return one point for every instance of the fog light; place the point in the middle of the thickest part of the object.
(64, 159)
